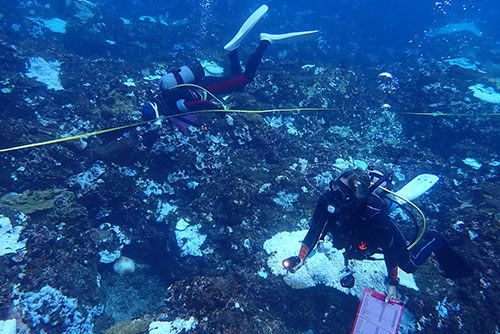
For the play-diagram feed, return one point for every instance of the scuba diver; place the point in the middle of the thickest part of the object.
(356, 213)
(187, 99)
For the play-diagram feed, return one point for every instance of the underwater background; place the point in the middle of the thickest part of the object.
(153, 229)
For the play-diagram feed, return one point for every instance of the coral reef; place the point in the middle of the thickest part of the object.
(193, 210)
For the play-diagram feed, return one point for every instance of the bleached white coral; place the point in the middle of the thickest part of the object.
(172, 327)
(487, 94)
(326, 268)
(9, 237)
(46, 72)
(189, 238)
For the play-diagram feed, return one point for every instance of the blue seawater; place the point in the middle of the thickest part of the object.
(203, 212)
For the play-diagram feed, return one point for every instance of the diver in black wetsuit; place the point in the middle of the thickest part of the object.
(187, 99)
(358, 220)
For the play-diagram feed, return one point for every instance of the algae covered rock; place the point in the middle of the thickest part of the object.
(30, 201)
(59, 204)
(135, 326)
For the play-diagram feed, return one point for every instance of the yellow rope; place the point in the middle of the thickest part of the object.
(71, 137)
(59, 140)
(443, 114)
(337, 109)
(264, 111)
(244, 111)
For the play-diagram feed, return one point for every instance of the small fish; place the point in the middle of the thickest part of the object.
(386, 75)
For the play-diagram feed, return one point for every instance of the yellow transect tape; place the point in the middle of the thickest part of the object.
(53, 141)
(94, 133)
(443, 114)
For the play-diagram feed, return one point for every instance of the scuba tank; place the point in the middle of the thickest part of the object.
(185, 74)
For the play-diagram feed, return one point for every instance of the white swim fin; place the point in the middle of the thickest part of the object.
(245, 28)
(291, 36)
(416, 187)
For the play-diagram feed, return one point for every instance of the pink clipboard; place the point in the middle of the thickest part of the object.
(375, 316)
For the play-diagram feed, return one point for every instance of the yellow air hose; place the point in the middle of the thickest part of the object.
(424, 221)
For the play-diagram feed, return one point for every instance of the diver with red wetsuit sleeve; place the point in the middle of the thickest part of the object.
(173, 98)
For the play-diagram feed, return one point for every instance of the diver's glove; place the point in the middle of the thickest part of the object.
(292, 264)
(392, 293)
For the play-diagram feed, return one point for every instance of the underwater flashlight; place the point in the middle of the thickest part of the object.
(290, 263)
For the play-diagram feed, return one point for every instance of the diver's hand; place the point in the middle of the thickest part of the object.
(392, 292)
(292, 264)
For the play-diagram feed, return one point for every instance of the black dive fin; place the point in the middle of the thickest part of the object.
(452, 263)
